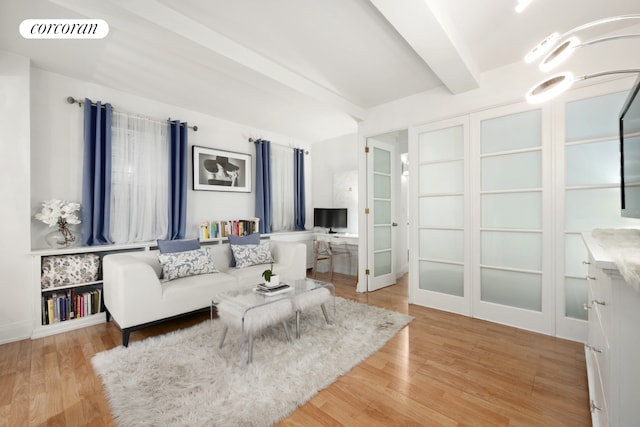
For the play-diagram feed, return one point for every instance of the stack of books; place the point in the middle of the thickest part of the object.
(263, 289)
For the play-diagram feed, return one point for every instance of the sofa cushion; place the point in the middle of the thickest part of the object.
(251, 239)
(203, 288)
(248, 255)
(187, 263)
(170, 246)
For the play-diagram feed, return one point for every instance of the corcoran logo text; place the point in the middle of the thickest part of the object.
(64, 29)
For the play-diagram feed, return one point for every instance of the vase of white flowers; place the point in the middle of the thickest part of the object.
(59, 213)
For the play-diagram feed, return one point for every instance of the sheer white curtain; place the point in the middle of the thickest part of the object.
(283, 218)
(139, 179)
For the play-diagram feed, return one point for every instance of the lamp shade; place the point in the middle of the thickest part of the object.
(566, 49)
(552, 39)
(559, 83)
(550, 88)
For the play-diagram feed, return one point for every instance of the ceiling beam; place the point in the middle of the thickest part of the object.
(171, 20)
(439, 48)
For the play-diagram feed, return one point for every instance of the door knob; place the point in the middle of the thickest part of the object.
(394, 224)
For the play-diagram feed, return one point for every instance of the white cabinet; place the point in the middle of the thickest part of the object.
(613, 347)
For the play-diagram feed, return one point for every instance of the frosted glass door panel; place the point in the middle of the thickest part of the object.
(441, 211)
(511, 250)
(511, 171)
(381, 181)
(382, 263)
(444, 245)
(381, 186)
(442, 178)
(516, 131)
(589, 209)
(576, 296)
(443, 278)
(381, 161)
(593, 164)
(382, 212)
(512, 210)
(443, 144)
(594, 117)
(511, 288)
(381, 238)
(575, 255)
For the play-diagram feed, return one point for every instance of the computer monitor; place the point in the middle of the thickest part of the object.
(330, 218)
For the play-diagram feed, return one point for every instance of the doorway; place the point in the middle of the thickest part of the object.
(386, 213)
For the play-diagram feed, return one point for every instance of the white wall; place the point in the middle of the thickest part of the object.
(15, 263)
(57, 148)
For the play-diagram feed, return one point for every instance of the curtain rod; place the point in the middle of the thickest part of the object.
(72, 100)
(290, 146)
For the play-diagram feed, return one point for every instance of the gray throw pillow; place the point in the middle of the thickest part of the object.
(171, 246)
(251, 239)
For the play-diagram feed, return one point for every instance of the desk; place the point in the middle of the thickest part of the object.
(347, 243)
(338, 239)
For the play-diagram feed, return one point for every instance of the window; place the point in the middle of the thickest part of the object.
(139, 179)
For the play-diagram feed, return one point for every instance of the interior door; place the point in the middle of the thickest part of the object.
(513, 254)
(440, 257)
(381, 224)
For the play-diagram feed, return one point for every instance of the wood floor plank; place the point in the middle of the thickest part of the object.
(441, 370)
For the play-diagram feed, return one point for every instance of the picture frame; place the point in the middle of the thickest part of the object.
(221, 170)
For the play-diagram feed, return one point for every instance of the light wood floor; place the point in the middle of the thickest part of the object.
(443, 369)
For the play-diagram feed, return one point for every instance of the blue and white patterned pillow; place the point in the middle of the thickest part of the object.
(187, 263)
(248, 255)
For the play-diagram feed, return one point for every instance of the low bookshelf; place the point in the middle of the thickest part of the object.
(72, 305)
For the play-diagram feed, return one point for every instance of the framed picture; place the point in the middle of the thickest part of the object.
(218, 170)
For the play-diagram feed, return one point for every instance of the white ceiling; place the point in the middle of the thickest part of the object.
(308, 69)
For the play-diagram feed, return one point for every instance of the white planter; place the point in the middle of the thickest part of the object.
(275, 281)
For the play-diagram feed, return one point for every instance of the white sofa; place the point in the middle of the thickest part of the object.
(135, 297)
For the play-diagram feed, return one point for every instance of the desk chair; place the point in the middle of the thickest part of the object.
(324, 251)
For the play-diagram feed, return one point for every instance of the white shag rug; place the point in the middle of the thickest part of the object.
(184, 379)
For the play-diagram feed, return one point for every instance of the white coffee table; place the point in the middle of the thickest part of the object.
(251, 311)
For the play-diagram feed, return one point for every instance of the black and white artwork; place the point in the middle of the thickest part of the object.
(219, 170)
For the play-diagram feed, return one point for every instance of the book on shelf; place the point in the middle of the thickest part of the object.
(275, 290)
(50, 310)
(70, 304)
(223, 228)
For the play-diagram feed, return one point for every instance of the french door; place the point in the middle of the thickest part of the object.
(513, 263)
(381, 225)
(440, 270)
(481, 243)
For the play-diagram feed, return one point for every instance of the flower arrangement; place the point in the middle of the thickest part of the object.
(60, 213)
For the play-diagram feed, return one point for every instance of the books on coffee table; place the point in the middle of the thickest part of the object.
(275, 290)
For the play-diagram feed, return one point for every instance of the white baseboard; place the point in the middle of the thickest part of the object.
(15, 331)
(68, 325)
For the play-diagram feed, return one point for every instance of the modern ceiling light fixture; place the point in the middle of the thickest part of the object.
(559, 83)
(522, 5)
(566, 49)
(550, 41)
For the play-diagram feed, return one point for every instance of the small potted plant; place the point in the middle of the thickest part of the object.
(271, 279)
